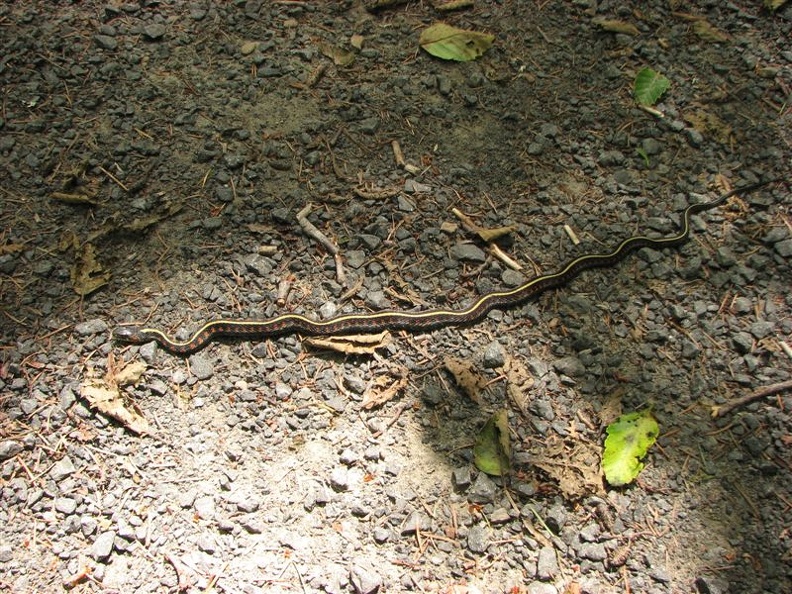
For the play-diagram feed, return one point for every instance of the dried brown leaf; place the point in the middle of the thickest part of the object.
(354, 344)
(109, 401)
(472, 383)
(616, 26)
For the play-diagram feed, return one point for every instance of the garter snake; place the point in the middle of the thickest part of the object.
(417, 320)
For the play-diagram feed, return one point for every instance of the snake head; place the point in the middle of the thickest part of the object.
(131, 334)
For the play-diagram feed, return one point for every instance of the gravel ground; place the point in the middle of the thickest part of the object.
(154, 157)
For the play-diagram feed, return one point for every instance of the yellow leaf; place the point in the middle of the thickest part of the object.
(615, 26)
(449, 43)
(709, 33)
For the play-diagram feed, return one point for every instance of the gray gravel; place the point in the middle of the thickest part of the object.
(197, 132)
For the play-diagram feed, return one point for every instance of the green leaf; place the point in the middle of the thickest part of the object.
(449, 43)
(649, 86)
(629, 438)
(492, 452)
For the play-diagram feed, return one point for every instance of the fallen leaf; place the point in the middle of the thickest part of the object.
(385, 388)
(708, 32)
(108, 400)
(709, 124)
(649, 86)
(449, 43)
(471, 382)
(130, 374)
(356, 41)
(519, 383)
(87, 275)
(339, 56)
(355, 344)
(492, 451)
(616, 26)
(573, 464)
(629, 438)
(489, 235)
(73, 198)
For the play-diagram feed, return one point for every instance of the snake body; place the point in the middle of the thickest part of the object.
(417, 320)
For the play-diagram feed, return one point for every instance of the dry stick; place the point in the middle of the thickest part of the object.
(312, 231)
(719, 411)
(471, 227)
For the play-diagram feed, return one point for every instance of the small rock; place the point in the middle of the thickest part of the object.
(659, 574)
(468, 252)
(65, 505)
(651, 146)
(784, 248)
(483, 490)
(743, 342)
(546, 564)
(207, 544)
(461, 477)
(201, 367)
(6, 553)
(364, 579)
(103, 545)
(349, 457)
(499, 516)
(414, 522)
(205, 507)
(761, 329)
(9, 448)
(541, 588)
(62, 468)
(478, 539)
(593, 551)
(91, 327)
(154, 31)
(571, 366)
(339, 479)
(381, 534)
(494, 355)
(106, 42)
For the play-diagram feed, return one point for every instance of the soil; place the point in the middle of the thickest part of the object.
(154, 158)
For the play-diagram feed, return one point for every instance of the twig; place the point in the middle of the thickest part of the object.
(322, 239)
(183, 581)
(719, 411)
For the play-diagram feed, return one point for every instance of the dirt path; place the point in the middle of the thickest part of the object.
(154, 158)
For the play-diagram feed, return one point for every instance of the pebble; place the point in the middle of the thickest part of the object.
(483, 490)
(784, 248)
(339, 479)
(364, 579)
(62, 468)
(570, 366)
(65, 505)
(154, 31)
(494, 355)
(91, 327)
(9, 448)
(106, 42)
(478, 539)
(547, 564)
(540, 588)
(103, 545)
(594, 551)
(201, 367)
(205, 507)
(468, 252)
(461, 478)
(743, 342)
